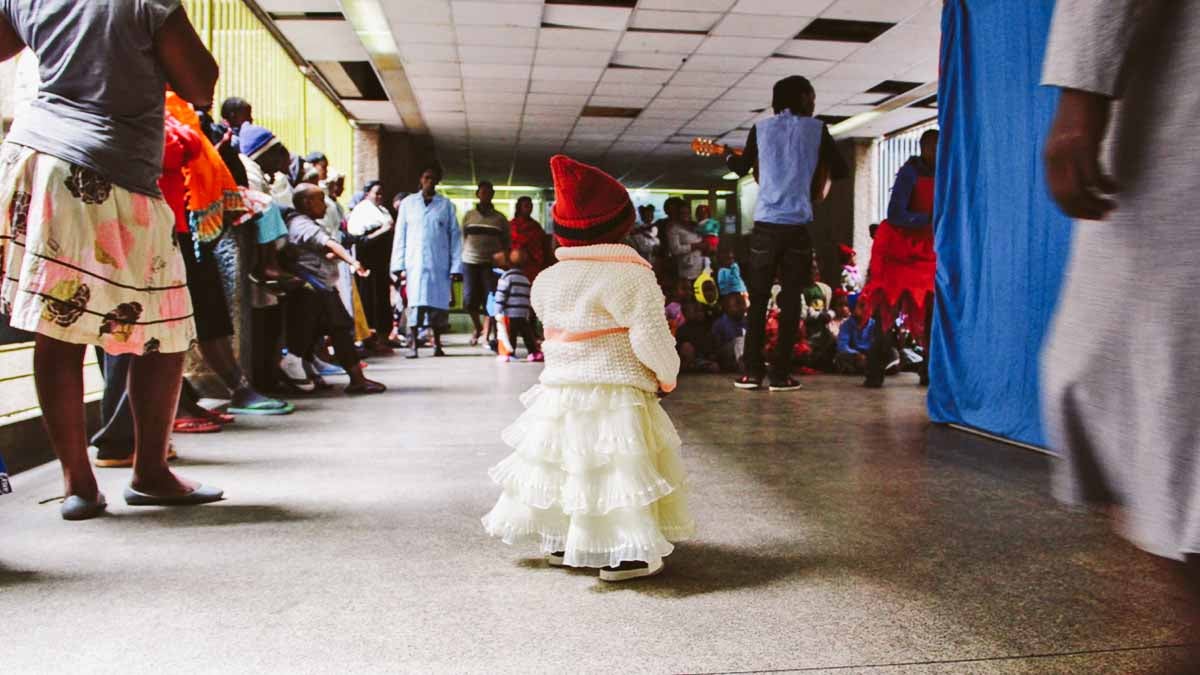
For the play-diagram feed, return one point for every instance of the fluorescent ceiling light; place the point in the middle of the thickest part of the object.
(846, 126)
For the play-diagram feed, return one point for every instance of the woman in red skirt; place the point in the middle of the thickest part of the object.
(903, 262)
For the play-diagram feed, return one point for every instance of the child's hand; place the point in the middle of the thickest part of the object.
(662, 394)
(360, 270)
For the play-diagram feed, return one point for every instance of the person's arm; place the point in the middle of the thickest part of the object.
(502, 292)
(455, 236)
(902, 189)
(190, 68)
(744, 163)
(11, 43)
(399, 244)
(639, 306)
(340, 252)
(838, 169)
(1087, 56)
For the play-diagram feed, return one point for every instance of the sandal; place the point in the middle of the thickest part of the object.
(266, 407)
(368, 387)
(219, 417)
(195, 425)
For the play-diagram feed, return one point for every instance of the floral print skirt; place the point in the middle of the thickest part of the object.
(88, 262)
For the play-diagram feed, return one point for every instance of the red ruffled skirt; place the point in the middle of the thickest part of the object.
(901, 276)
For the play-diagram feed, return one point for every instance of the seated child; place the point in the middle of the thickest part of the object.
(513, 308)
(852, 281)
(855, 336)
(694, 341)
(729, 333)
(729, 274)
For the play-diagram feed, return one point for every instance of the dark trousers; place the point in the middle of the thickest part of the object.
(375, 290)
(522, 328)
(265, 332)
(312, 315)
(783, 252)
(116, 430)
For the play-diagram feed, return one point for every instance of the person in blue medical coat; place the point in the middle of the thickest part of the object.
(427, 256)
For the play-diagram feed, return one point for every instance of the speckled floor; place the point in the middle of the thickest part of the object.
(840, 532)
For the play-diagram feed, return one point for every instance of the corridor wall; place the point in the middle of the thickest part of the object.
(1001, 242)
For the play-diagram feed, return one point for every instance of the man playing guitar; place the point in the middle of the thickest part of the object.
(786, 152)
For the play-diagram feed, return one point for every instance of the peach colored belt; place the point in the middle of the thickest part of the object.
(560, 335)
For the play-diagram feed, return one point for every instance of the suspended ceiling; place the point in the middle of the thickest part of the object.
(503, 84)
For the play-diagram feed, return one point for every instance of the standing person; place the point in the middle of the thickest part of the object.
(317, 311)
(88, 252)
(596, 477)
(1120, 396)
(512, 301)
(426, 256)
(529, 238)
(786, 149)
(903, 262)
(685, 247)
(708, 228)
(485, 233)
(644, 237)
(373, 225)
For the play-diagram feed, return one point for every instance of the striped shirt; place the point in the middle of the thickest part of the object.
(484, 236)
(512, 295)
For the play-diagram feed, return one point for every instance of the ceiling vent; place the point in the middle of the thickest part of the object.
(610, 111)
(307, 16)
(362, 74)
(893, 87)
(930, 103)
(620, 4)
(840, 30)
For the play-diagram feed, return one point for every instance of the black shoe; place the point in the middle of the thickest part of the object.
(873, 383)
(438, 352)
(785, 384)
(924, 377)
(748, 382)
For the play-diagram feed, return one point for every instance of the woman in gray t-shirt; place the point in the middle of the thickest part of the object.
(86, 239)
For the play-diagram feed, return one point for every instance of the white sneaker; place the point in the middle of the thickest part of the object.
(293, 370)
(556, 559)
(632, 570)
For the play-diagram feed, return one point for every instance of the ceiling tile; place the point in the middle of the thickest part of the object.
(669, 111)
(695, 78)
(425, 33)
(493, 36)
(521, 56)
(626, 89)
(726, 64)
(324, 40)
(819, 49)
(433, 69)
(577, 74)
(498, 97)
(782, 66)
(760, 25)
(689, 5)
(873, 10)
(561, 87)
(417, 11)
(733, 105)
(739, 46)
(418, 53)
(646, 18)
(439, 97)
(487, 70)
(705, 92)
(782, 7)
(931, 15)
(557, 99)
(558, 110)
(515, 88)
(477, 12)
(827, 85)
(850, 71)
(584, 16)
(378, 112)
(578, 38)
(661, 60)
(424, 83)
(674, 43)
(571, 57)
(922, 72)
(636, 76)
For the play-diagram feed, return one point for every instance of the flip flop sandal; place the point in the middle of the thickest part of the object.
(367, 388)
(195, 425)
(265, 408)
(219, 417)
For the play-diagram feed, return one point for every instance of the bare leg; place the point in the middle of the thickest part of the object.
(58, 375)
(474, 314)
(154, 383)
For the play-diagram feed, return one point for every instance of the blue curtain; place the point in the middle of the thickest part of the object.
(1001, 242)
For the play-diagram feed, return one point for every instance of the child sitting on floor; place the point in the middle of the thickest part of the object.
(694, 341)
(854, 342)
(729, 333)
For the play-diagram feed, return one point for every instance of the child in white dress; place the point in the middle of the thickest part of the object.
(595, 477)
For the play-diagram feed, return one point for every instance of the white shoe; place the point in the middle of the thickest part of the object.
(557, 559)
(293, 370)
(635, 570)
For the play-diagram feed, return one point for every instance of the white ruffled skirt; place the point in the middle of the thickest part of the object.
(595, 473)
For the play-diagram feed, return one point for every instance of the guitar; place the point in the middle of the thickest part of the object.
(822, 180)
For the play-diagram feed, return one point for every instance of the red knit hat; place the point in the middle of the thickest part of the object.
(590, 206)
(846, 251)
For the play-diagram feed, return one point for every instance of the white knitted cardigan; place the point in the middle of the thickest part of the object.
(598, 288)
